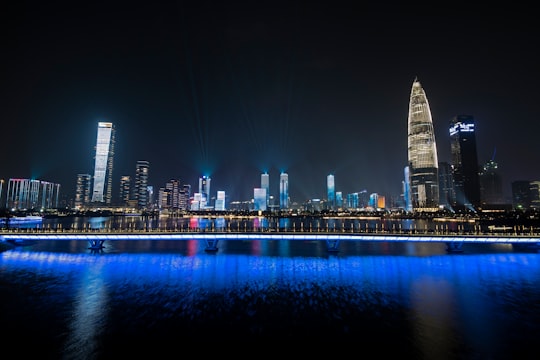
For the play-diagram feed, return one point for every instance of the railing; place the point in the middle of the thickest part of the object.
(517, 231)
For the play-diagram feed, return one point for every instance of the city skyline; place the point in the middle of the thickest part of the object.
(233, 91)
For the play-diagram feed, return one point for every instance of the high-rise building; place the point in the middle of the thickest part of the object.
(125, 190)
(422, 152)
(265, 184)
(353, 201)
(83, 189)
(185, 194)
(447, 193)
(535, 194)
(407, 202)
(173, 194)
(150, 203)
(521, 194)
(1, 193)
(102, 192)
(283, 191)
(25, 194)
(259, 199)
(465, 162)
(220, 201)
(331, 192)
(142, 170)
(339, 199)
(48, 195)
(491, 190)
(204, 190)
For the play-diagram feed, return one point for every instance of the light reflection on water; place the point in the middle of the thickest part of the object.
(480, 304)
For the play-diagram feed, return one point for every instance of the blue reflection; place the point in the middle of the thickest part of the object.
(439, 302)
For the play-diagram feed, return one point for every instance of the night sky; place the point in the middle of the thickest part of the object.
(232, 90)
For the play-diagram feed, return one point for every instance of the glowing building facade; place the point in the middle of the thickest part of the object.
(102, 191)
(259, 199)
(220, 201)
(25, 194)
(204, 190)
(125, 190)
(422, 153)
(265, 184)
(283, 191)
(331, 192)
(83, 190)
(141, 194)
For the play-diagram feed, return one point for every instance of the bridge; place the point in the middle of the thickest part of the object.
(96, 239)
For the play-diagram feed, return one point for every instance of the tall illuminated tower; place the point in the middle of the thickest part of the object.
(465, 162)
(422, 152)
(102, 191)
(331, 191)
(142, 171)
(283, 191)
(204, 190)
(265, 184)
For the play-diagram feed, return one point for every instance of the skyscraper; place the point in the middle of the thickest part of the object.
(521, 194)
(422, 152)
(259, 199)
(204, 190)
(142, 170)
(265, 184)
(220, 201)
(283, 191)
(125, 190)
(32, 194)
(331, 192)
(447, 193)
(407, 189)
(102, 191)
(83, 190)
(491, 190)
(465, 162)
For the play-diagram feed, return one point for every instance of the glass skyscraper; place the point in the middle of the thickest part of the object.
(283, 191)
(204, 190)
(465, 162)
(141, 184)
(102, 191)
(422, 152)
(265, 184)
(83, 190)
(259, 199)
(331, 191)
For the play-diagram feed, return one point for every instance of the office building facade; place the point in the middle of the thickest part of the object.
(124, 194)
(265, 184)
(465, 167)
(83, 190)
(220, 201)
(422, 152)
(103, 169)
(204, 190)
(331, 192)
(259, 199)
(141, 196)
(491, 189)
(283, 191)
(447, 193)
(31, 194)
